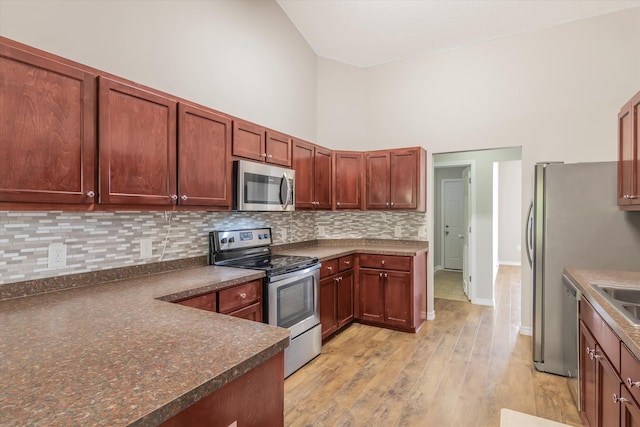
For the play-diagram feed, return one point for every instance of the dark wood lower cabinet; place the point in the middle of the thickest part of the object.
(605, 398)
(255, 399)
(328, 313)
(336, 294)
(344, 304)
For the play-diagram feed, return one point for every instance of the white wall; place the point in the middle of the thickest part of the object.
(244, 58)
(510, 212)
(555, 92)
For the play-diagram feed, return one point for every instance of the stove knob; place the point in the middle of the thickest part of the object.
(223, 240)
(232, 239)
(259, 236)
(266, 236)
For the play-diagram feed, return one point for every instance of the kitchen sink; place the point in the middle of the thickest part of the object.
(625, 300)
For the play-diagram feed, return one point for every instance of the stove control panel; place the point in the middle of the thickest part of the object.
(241, 239)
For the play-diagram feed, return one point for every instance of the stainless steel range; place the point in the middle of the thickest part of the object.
(291, 288)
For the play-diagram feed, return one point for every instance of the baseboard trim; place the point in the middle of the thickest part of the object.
(437, 268)
(483, 301)
(526, 330)
(431, 315)
(510, 263)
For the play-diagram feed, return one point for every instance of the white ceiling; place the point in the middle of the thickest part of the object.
(365, 33)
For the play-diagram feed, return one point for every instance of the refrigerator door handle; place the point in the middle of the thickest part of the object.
(529, 234)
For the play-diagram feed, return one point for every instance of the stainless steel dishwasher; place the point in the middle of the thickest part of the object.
(570, 335)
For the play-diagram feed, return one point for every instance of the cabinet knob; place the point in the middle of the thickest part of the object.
(387, 204)
(338, 204)
(347, 262)
(386, 275)
(91, 194)
(263, 154)
(174, 197)
(382, 262)
(632, 383)
(381, 274)
(619, 399)
(269, 156)
(391, 204)
(183, 197)
(329, 268)
(243, 295)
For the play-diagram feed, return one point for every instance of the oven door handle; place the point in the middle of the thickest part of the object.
(284, 195)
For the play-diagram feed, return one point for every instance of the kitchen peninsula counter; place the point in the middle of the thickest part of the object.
(583, 279)
(115, 354)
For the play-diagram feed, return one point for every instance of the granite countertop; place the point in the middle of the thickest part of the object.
(328, 249)
(114, 354)
(628, 333)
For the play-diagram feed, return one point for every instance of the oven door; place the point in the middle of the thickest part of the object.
(293, 300)
(261, 187)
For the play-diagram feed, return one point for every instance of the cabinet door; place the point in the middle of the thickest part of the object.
(377, 193)
(328, 316)
(137, 132)
(302, 163)
(278, 148)
(608, 385)
(322, 178)
(371, 295)
(348, 180)
(248, 141)
(626, 155)
(203, 302)
(204, 172)
(47, 122)
(635, 132)
(345, 298)
(397, 298)
(629, 411)
(404, 176)
(587, 375)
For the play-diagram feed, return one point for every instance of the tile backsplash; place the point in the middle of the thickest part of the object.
(105, 240)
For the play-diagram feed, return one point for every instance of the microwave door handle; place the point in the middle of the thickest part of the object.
(284, 195)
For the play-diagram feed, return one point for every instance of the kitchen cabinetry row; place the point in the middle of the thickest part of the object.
(380, 290)
(244, 301)
(628, 155)
(609, 374)
(76, 137)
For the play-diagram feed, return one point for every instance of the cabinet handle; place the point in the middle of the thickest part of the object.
(338, 204)
(348, 262)
(633, 197)
(619, 399)
(632, 383)
(391, 204)
(629, 197)
(174, 197)
(269, 156)
(386, 275)
(329, 268)
(183, 197)
(243, 295)
(339, 279)
(381, 274)
(387, 204)
(91, 194)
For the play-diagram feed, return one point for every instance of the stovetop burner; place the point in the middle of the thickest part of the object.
(251, 249)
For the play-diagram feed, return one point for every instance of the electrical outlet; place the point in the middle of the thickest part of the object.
(57, 255)
(398, 231)
(422, 231)
(321, 230)
(146, 248)
(518, 248)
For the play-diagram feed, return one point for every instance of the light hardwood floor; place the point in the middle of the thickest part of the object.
(458, 370)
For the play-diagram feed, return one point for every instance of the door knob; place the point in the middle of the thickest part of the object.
(460, 236)
(446, 232)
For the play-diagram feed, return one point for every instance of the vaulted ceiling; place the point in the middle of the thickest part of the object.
(365, 33)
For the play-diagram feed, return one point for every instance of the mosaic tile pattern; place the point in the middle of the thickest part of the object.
(106, 240)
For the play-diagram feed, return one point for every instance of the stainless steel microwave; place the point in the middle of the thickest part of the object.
(262, 187)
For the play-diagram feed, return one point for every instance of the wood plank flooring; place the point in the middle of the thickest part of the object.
(458, 370)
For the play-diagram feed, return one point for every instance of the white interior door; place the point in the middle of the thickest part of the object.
(466, 254)
(453, 191)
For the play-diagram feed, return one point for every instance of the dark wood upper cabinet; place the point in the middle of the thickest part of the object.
(204, 168)
(254, 142)
(47, 130)
(347, 178)
(628, 155)
(313, 167)
(137, 132)
(396, 179)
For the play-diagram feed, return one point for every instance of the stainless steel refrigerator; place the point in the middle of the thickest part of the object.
(574, 221)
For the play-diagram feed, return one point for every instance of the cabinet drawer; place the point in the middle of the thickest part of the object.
(345, 263)
(607, 339)
(328, 268)
(203, 302)
(253, 312)
(239, 296)
(630, 371)
(387, 262)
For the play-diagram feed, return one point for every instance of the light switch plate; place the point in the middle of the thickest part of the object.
(146, 248)
(422, 231)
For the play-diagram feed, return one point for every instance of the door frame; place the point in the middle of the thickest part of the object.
(473, 250)
(442, 200)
